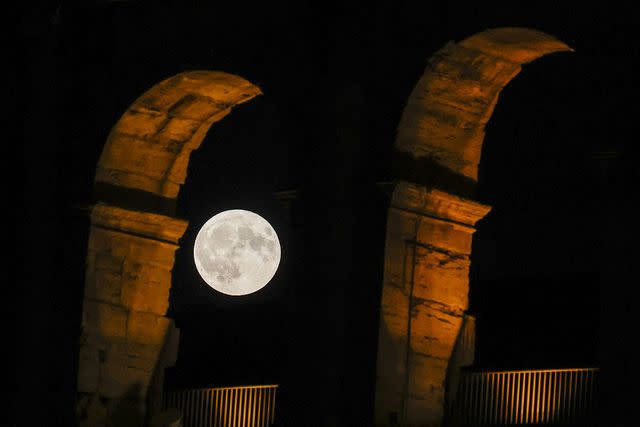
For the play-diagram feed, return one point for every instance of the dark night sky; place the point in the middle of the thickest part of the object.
(556, 168)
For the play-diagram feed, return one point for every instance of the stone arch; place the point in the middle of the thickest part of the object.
(126, 339)
(425, 334)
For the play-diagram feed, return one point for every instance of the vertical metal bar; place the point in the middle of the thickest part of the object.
(516, 397)
(496, 397)
(570, 396)
(559, 396)
(543, 398)
(247, 407)
(271, 398)
(537, 396)
(256, 397)
(500, 397)
(563, 400)
(561, 387)
(204, 395)
(578, 405)
(259, 421)
(273, 409)
(594, 392)
(236, 408)
(534, 397)
(199, 407)
(481, 399)
(472, 392)
(209, 414)
(194, 408)
(203, 407)
(238, 392)
(536, 404)
(532, 394)
(527, 396)
(187, 407)
(460, 411)
(507, 398)
(249, 421)
(241, 405)
(268, 409)
(547, 399)
(214, 407)
(523, 395)
(223, 408)
(477, 397)
(487, 399)
(265, 406)
(556, 396)
(486, 393)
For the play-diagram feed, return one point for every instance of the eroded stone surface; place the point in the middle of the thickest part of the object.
(429, 231)
(126, 341)
(124, 330)
(447, 110)
(149, 148)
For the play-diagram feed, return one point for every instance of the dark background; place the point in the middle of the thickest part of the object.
(550, 278)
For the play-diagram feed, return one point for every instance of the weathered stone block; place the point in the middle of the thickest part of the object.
(445, 235)
(395, 311)
(141, 123)
(103, 285)
(146, 297)
(147, 328)
(135, 223)
(123, 381)
(426, 379)
(401, 228)
(129, 412)
(88, 369)
(104, 320)
(176, 132)
(90, 410)
(433, 332)
(119, 354)
(441, 277)
(152, 252)
(105, 261)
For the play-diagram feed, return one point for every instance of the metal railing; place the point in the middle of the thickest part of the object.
(246, 406)
(549, 396)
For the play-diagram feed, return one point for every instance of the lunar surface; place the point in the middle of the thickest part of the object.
(237, 252)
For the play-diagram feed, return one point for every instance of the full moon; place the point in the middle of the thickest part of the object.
(237, 252)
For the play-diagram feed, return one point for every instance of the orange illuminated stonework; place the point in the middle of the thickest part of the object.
(425, 295)
(126, 340)
(431, 221)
